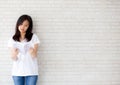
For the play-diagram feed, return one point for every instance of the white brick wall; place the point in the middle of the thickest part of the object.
(80, 40)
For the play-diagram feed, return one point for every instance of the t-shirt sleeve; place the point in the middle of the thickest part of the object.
(10, 42)
(35, 39)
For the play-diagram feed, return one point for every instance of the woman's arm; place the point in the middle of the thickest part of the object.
(14, 52)
(33, 51)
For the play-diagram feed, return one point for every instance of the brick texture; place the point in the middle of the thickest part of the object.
(80, 40)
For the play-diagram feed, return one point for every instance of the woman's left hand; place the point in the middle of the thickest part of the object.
(31, 50)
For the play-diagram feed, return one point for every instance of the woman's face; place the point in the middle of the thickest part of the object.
(23, 27)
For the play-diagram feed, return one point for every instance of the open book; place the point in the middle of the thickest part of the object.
(22, 47)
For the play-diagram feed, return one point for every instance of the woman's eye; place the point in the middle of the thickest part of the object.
(26, 25)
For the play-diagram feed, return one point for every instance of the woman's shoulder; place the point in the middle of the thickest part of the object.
(34, 35)
(35, 38)
(11, 39)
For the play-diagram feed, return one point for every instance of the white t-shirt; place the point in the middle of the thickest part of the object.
(25, 65)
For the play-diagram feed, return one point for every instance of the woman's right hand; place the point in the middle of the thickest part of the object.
(14, 53)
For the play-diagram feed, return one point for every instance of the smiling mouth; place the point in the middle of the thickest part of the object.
(22, 30)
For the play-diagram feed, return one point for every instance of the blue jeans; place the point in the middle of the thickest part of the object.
(25, 80)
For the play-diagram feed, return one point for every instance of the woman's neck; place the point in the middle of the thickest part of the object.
(22, 36)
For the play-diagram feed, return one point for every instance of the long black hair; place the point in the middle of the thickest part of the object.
(29, 33)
